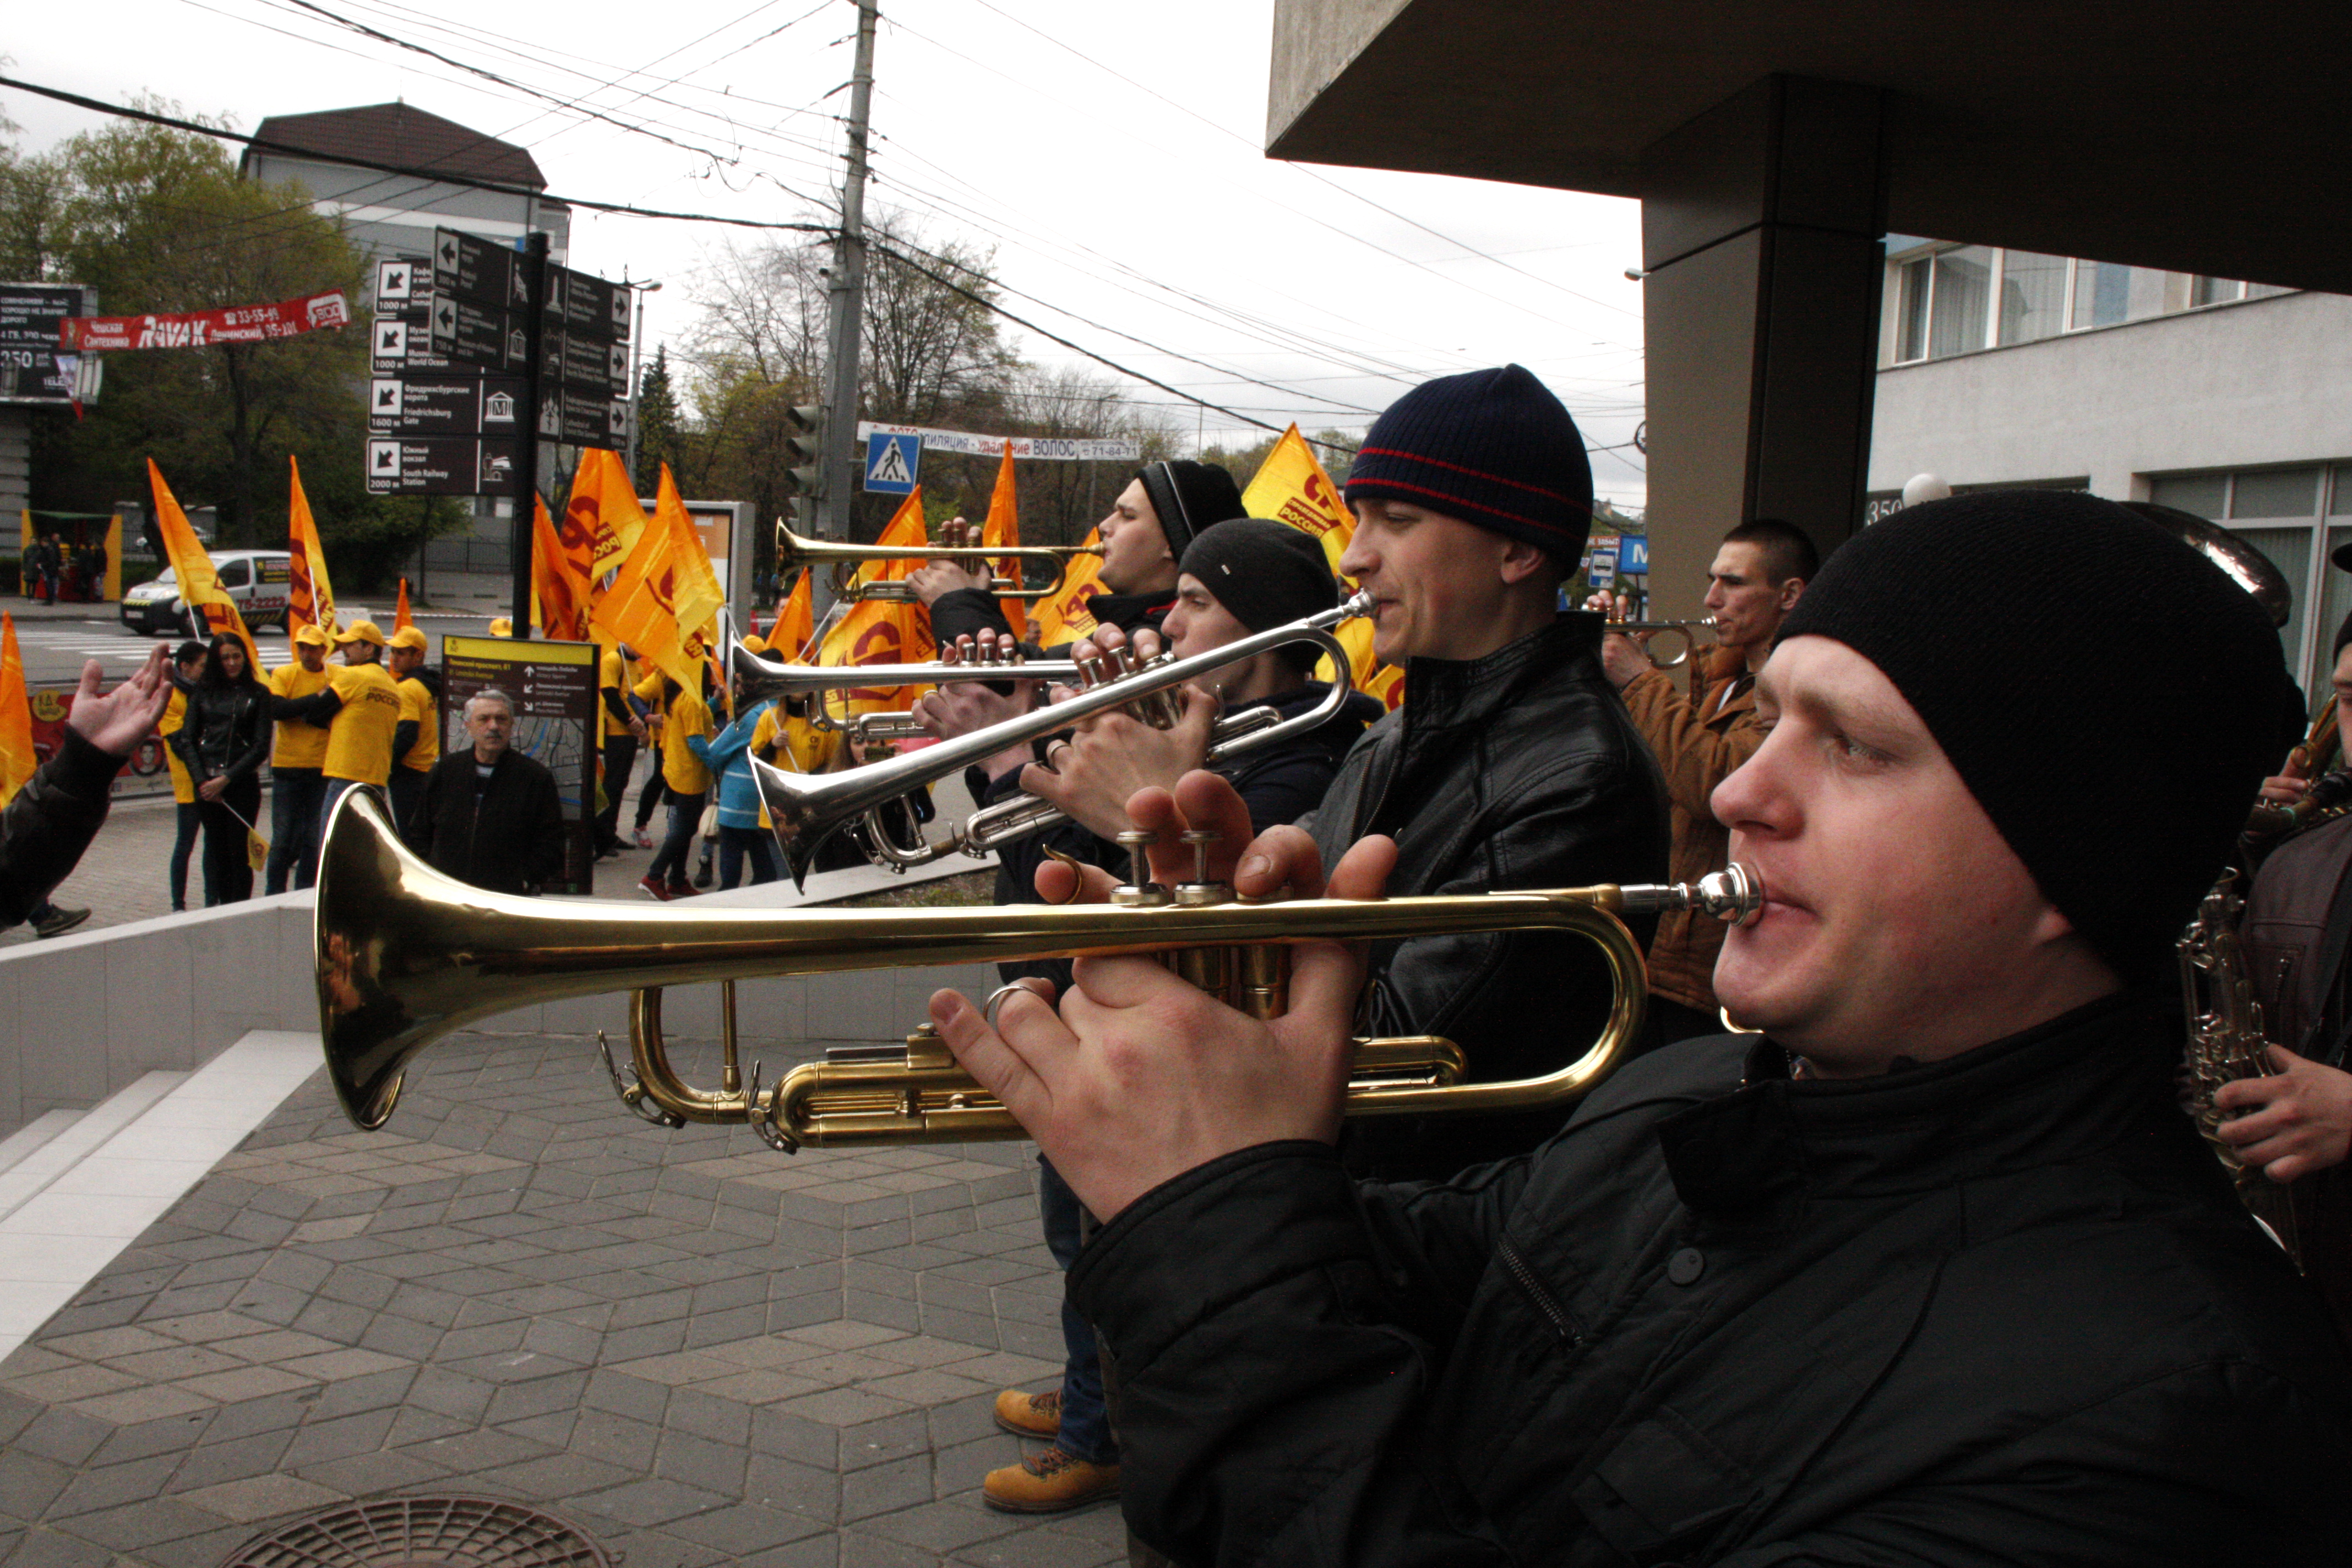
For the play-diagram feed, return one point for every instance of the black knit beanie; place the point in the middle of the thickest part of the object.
(2342, 635)
(1264, 574)
(1490, 447)
(1189, 497)
(2109, 697)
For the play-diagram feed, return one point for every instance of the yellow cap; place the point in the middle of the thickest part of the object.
(755, 644)
(307, 634)
(408, 637)
(361, 631)
(502, 628)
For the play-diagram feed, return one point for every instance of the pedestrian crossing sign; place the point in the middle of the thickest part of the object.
(891, 463)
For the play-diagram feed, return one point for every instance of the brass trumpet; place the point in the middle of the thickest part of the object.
(763, 678)
(404, 955)
(795, 549)
(1649, 632)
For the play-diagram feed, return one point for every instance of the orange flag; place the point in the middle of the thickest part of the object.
(311, 599)
(665, 593)
(17, 758)
(400, 616)
(1291, 487)
(602, 518)
(1003, 530)
(191, 569)
(563, 598)
(796, 626)
(1064, 618)
(873, 632)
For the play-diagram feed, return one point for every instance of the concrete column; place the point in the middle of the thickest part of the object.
(1761, 240)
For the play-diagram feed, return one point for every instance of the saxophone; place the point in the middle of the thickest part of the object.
(2226, 1044)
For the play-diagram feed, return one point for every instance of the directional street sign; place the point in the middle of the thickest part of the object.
(583, 418)
(892, 463)
(465, 333)
(587, 306)
(476, 269)
(449, 406)
(398, 466)
(398, 279)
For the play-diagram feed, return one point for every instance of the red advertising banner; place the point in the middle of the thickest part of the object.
(147, 773)
(236, 324)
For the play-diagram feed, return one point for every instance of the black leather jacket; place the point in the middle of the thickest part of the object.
(2002, 1308)
(51, 821)
(227, 731)
(1519, 770)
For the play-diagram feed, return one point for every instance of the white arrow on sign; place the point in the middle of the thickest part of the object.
(449, 249)
(392, 340)
(387, 397)
(445, 317)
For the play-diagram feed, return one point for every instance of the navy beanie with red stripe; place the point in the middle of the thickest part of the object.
(1492, 448)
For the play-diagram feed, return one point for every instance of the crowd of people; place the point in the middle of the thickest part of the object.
(52, 571)
(1888, 1241)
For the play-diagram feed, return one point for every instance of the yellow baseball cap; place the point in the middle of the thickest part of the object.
(309, 636)
(408, 637)
(502, 628)
(755, 644)
(361, 631)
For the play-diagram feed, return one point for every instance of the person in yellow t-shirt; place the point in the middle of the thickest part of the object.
(686, 781)
(417, 740)
(295, 754)
(785, 737)
(187, 665)
(620, 732)
(646, 697)
(360, 709)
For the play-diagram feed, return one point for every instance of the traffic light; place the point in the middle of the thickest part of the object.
(805, 447)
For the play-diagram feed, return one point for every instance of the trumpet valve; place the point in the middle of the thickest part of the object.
(1142, 892)
(1201, 892)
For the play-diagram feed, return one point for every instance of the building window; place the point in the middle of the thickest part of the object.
(2032, 296)
(2279, 513)
(2215, 291)
(1943, 301)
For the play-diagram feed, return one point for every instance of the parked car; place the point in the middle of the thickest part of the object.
(257, 579)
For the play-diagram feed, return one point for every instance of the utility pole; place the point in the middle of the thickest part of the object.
(848, 298)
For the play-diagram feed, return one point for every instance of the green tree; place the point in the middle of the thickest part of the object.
(160, 221)
(657, 423)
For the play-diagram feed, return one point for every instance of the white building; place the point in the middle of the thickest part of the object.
(2228, 400)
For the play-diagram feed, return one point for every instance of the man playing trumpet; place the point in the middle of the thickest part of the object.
(1934, 1271)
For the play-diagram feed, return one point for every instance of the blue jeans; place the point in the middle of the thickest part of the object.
(685, 816)
(1086, 1424)
(734, 844)
(334, 791)
(294, 796)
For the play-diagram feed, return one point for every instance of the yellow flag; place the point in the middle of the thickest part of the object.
(310, 598)
(1291, 487)
(884, 633)
(789, 638)
(559, 600)
(17, 759)
(700, 597)
(603, 510)
(191, 569)
(1065, 617)
(656, 596)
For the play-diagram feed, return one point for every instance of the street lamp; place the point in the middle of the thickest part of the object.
(636, 343)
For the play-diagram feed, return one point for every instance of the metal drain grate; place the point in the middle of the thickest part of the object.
(415, 1532)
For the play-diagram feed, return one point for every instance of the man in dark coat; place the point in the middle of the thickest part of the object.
(489, 814)
(1933, 1270)
(1512, 762)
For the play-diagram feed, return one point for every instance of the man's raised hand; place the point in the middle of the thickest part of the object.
(1141, 1076)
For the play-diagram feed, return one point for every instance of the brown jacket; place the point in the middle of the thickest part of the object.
(1697, 746)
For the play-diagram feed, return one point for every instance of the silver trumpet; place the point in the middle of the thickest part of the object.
(1649, 632)
(809, 809)
(763, 679)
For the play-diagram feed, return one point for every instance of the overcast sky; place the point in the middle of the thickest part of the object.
(1111, 153)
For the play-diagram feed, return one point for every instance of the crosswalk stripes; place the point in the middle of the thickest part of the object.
(84, 643)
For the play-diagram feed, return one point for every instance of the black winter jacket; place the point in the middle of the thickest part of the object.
(1999, 1310)
(51, 821)
(512, 841)
(1519, 770)
(227, 731)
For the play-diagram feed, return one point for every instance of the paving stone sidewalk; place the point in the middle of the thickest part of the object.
(697, 1350)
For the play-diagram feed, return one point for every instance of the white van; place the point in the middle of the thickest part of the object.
(257, 580)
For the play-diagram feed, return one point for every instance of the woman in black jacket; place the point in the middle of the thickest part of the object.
(223, 741)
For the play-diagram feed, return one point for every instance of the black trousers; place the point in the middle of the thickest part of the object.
(228, 874)
(620, 756)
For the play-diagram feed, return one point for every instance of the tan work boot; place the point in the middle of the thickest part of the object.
(1028, 1415)
(1050, 1482)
